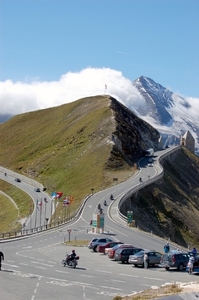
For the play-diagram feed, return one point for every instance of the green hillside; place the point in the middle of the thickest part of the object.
(65, 148)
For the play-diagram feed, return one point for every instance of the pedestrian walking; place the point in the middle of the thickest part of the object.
(190, 264)
(146, 260)
(1, 258)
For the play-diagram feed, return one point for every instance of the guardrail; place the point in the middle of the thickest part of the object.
(77, 213)
(145, 183)
(27, 232)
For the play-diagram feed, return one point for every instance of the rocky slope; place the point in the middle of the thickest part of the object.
(170, 207)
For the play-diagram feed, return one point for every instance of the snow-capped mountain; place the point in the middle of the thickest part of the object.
(165, 111)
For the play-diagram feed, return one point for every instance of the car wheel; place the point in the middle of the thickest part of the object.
(123, 262)
(180, 267)
(95, 249)
(135, 266)
(167, 268)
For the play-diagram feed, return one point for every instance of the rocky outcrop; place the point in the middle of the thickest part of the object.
(131, 137)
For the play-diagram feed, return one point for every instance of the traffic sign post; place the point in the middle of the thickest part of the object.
(129, 216)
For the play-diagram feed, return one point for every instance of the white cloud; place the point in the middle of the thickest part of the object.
(22, 97)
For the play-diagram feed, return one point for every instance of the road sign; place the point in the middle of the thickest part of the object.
(69, 230)
(129, 216)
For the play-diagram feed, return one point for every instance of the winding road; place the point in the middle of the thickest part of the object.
(32, 267)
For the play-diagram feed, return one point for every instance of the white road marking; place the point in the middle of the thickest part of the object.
(13, 266)
(129, 275)
(61, 271)
(109, 287)
(35, 262)
(118, 280)
(104, 271)
(82, 283)
(154, 278)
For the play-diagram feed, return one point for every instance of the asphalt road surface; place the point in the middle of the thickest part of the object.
(32, 267)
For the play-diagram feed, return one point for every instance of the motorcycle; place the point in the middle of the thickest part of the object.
(105, 203)
(111, 197)
(140, 179)
(70, 263)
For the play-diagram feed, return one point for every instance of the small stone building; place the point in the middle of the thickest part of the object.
(188, 141)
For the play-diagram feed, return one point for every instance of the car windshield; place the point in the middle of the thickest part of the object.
(118, 251)
(116, 246)
(140, 253)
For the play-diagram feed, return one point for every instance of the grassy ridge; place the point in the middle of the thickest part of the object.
(10, 216)
(65, 147)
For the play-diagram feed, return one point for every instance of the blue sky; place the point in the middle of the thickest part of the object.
(84, 44)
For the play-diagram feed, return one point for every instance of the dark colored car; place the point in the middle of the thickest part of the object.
(122, 254)
(94, 243)
(111, 252)
(37, 190)
(17, 179)
(101, 248)
(174, 259)
(138, 258)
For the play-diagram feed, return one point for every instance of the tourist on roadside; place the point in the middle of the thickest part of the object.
(194, 250)
(190, 264)
(1, 258)
(146, 260)
(167, 248)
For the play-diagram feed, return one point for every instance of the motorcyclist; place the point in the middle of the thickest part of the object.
(111, 197)
(105, 202)
(140, 179)
(72, 255)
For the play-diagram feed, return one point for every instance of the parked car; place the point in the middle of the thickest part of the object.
(94, 243)
(174, 259)
(101, 248)
(37, 190)
(122, 254)
(111, 252)
(138, 258)
(150, 165)
(17, 179)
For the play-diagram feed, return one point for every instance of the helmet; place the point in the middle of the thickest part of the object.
(73, 251)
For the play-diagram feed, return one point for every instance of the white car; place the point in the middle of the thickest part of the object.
(150, 165)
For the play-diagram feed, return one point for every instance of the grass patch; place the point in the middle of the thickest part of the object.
(77, 243)
(10, 216)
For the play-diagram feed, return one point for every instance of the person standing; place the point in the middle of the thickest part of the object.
(190, 264)
(167, 248)
(194, 250)
(146, 260)
(1, 258)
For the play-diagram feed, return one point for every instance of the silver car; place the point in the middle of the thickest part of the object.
(138, 258)
(95, 242)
